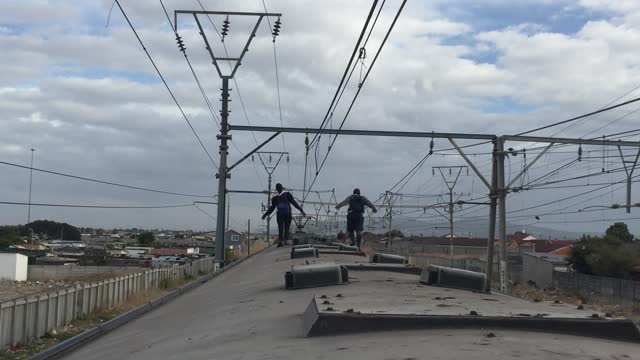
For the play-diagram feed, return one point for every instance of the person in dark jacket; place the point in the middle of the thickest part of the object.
(283, 202)
(355, 215)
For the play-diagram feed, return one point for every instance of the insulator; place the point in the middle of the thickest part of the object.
(363, 53)
(270, 158)
(431, 147)
(450, 173)
(276, 29)
(580, 153)
(180, 43)
(253, 159)
(225, 27)
(287, 158)
(306, 140)
(433, 171)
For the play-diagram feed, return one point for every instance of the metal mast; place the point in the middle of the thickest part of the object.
(224, 136)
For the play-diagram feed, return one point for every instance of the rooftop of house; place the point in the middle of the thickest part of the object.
(547, 246)
(520, 236)
(552, 258)
(167, 251)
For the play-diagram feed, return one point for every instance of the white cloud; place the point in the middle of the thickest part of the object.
(88, 100)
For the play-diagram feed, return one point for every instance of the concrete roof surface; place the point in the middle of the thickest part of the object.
(245, 313)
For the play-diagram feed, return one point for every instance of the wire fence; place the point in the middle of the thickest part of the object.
(31, 317)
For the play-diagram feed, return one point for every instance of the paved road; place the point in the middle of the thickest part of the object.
(246, 314)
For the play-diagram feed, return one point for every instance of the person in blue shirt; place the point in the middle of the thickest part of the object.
(283, 202)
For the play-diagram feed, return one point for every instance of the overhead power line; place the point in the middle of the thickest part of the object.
(346, 70)
(275, 62)
(165, 83)
(204, 212)
(104, 181)
(195, 76)
(355, 97)
(93, 206)
(581, 116)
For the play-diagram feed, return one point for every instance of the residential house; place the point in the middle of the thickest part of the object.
(137, 251)
(548, 246)
(173, 251)
(34, 246)
(521, 241)
(234, 239)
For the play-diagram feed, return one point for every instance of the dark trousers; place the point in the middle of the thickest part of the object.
(284, 223)
(355, 223)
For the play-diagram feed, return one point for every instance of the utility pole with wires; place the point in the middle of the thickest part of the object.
(224, 136)
(30, 185)
(270, 169)
(451, 184)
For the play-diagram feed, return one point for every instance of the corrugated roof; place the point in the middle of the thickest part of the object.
(547, 246)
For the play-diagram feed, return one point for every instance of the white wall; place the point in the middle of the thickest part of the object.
(13, 267)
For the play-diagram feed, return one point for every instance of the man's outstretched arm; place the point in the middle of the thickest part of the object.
(343, 203)
(271, 208)
(295, 204)
(369, 204)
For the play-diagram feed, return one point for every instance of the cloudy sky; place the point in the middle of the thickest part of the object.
(86, 98)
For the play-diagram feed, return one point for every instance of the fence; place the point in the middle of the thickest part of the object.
(611, 290)
(59, 272)
(28, 318)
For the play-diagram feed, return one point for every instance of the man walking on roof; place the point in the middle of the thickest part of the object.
(355, 215)
(283, 202)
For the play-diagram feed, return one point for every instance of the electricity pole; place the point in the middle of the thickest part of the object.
(224, 136)
(30, 183)
(451, 184)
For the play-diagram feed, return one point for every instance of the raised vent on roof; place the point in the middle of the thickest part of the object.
(306, 276)
(454, 278)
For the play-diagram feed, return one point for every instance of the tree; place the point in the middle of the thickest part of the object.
(607, 256)
(619, 231)
(9, 236)
(146, 238)
(52, 230)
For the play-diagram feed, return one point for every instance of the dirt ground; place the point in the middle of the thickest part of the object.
(536, 295)
(10, 290)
